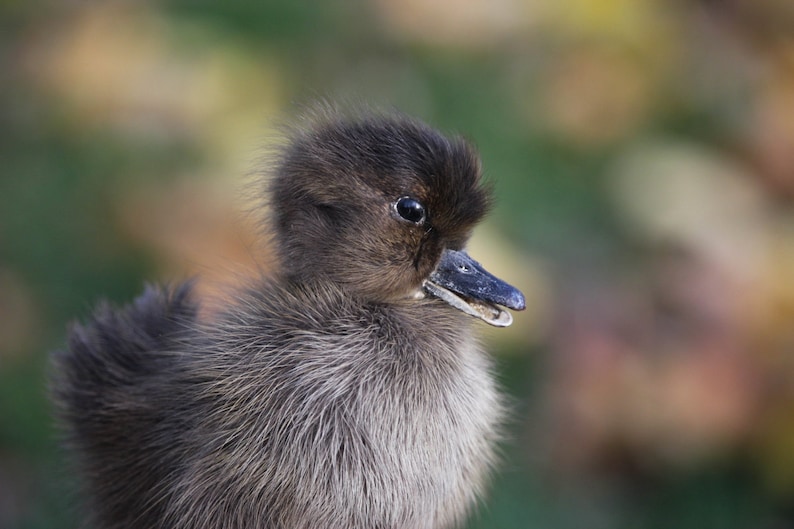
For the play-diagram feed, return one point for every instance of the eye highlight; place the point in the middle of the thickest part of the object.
(410, 209)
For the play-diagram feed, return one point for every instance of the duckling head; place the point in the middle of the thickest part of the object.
(383, 207)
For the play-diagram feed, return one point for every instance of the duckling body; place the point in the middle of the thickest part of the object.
(342, 392)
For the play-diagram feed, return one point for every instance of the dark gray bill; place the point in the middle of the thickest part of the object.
(466, 285)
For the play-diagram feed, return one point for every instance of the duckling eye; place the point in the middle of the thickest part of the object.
(410, 209)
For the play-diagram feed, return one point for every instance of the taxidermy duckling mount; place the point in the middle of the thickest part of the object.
(346, 391)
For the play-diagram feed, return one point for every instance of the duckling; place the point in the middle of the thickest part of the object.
(347, 390)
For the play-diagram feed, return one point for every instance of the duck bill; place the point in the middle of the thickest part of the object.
(466, 285)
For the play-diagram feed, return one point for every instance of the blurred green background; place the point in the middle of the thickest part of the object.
(643, 155)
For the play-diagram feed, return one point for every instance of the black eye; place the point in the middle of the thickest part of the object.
(410, 209)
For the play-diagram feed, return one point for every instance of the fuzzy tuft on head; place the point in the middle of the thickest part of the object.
(334, 193)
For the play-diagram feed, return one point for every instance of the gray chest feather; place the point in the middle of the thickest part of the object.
(361, 424)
